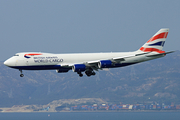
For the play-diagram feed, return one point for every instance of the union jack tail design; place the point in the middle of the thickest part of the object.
(156, 42)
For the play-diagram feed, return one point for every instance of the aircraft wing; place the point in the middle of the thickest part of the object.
(94, 64)
(117, 59)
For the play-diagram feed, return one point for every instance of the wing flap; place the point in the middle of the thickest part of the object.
(122, 58)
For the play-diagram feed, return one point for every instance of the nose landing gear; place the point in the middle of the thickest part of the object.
(21, 75)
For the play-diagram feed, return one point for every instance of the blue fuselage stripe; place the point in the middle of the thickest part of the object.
(38, 67)
(54, 67)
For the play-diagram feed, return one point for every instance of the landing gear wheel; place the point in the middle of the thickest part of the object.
(21, 75)
(93, 73)
(89, 73)
(80, 75)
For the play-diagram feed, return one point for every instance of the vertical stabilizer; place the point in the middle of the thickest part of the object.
(156, 42)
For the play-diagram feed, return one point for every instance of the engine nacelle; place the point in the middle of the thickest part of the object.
(79, 68)
(105, 64)
(62, 70)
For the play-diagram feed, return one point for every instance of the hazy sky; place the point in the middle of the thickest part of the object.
(70, 26)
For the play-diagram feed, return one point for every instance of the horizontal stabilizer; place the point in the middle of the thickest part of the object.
(160, 54)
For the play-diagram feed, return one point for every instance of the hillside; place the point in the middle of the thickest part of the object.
(156, 80)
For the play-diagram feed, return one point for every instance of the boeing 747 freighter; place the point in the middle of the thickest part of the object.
(89, 62)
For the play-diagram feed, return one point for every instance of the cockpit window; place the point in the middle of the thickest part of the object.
(16, 55)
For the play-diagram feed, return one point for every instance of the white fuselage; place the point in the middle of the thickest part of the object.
(44, 61)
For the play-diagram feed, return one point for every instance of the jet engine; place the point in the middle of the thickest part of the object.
(79, 68)
(105, 64)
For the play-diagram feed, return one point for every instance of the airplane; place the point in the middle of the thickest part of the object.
(89, 62)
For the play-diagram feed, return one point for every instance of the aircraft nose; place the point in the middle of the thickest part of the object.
(9, 62)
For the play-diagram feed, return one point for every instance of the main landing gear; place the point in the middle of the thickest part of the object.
(21, 75)
(88, 73)
(80, 74)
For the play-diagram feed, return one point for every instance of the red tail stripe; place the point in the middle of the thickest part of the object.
(151, 50)
(159, 36)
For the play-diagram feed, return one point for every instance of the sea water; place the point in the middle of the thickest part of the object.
(92, 116)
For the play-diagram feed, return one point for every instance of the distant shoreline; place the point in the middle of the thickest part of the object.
(126, 111)
(91, 111)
